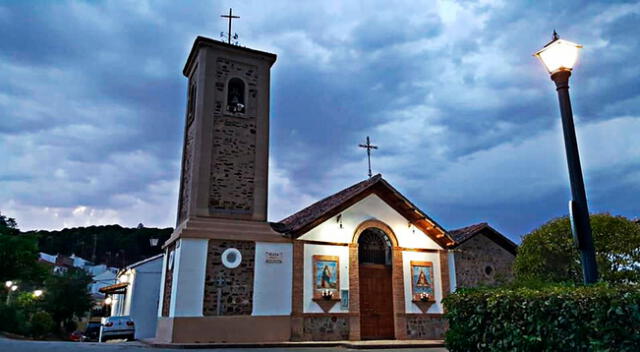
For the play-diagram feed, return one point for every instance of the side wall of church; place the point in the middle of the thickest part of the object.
(481, 261)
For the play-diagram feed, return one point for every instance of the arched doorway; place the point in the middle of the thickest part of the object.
(375, 277)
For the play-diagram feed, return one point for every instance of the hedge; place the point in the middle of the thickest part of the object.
(594, 318)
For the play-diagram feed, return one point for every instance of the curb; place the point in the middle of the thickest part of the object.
(346, 344)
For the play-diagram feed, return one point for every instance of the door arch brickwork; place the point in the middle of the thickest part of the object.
(397, 285)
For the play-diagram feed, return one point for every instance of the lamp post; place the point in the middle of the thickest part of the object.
(558, 57)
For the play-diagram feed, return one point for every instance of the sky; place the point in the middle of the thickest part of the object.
(92, 106)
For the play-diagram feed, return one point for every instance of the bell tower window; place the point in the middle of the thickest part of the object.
(235, 96)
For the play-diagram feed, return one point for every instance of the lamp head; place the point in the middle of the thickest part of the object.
(37, 293)
(558, 54)
(8, 284)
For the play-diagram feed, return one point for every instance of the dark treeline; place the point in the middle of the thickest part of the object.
(113, 245)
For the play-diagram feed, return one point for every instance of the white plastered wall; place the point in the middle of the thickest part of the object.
(189, 269)
(162, 278)
(371, 207)
(309, 251)
(272, 281)
(407, 257)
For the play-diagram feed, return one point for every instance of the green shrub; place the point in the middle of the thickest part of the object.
(557, 318)
(13, 320)
(41, 324)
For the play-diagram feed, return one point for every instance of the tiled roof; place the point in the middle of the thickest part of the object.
(462, 234)
(321, 207)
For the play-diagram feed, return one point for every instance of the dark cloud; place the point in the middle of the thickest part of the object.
(92, 104)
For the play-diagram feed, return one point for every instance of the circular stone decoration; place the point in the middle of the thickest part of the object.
(488, 270)
(231, 258)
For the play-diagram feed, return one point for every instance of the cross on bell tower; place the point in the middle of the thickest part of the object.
(230, 16)
(368, 146)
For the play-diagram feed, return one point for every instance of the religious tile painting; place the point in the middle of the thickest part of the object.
(422, 286)
(326, 277)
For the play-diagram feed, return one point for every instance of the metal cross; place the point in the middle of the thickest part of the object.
(230, 16)
(368, 146)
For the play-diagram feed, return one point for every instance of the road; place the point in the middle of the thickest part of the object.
(8, 345)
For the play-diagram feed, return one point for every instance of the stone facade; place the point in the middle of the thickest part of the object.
(187, 160)
(237, 288)
(232, 172)
(323, 327)
(168, 282)
(481, 261)
(426, 326)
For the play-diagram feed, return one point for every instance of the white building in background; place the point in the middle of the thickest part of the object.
(136, 294)
(102, 274)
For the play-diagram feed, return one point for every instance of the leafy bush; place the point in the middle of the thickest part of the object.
(13, 320)
(555, 318)
(549, 252)
(41, 324)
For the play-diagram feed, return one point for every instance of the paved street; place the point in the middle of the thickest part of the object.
(7, 345)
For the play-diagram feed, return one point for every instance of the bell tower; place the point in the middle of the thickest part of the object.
(226, 138)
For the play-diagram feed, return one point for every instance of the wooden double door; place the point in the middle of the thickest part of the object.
(376, 302)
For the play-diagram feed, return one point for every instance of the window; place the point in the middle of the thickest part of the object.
(235, 96)
(374, 247)
(191, 104)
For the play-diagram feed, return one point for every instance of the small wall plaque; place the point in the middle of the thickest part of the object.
(273, 257)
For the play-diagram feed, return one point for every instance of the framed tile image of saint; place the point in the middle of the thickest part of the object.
(326, 277)
(422, 286)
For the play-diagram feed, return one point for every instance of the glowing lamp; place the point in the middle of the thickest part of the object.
(37, 293)
(559, 54)
(108, 301)
(8, 284)
(14, 287)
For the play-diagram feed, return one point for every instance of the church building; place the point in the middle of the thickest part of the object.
(363, 263)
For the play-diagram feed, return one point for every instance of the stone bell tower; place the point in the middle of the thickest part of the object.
(226, 140)
(208, 267)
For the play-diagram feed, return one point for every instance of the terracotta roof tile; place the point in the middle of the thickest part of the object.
(462, 234)
(321, 207)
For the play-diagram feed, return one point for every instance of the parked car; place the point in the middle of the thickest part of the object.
(92, 332)
(118, 327)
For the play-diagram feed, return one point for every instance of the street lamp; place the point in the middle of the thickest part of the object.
(37, 293)
(559, 56)
(8, 284)
(153, 241)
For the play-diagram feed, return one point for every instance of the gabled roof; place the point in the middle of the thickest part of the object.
(315, 214)
(144, 261)
(464, 234)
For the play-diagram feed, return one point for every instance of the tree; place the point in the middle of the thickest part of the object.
(19, 262)
(549, 252)
(67, 296)
(8, 226)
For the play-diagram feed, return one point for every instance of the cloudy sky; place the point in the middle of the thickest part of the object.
(92, 104)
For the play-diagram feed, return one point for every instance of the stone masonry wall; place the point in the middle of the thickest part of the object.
(168, 282)
(426, 326)
(237, 290)
(481, 261)
(232, 178)
(326, 328)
